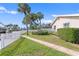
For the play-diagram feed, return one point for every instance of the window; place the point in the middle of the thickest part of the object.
(66, 25)
(55, 27)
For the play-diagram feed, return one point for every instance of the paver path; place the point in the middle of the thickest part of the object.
(54, 46)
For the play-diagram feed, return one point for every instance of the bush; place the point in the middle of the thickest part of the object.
(41, 32)
(69, 34)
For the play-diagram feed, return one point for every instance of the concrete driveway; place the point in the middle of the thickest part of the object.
(8, 38)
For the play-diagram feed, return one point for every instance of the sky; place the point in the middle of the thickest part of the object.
(9, 13)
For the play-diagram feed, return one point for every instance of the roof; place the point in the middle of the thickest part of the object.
(1, 24)
(65, 15)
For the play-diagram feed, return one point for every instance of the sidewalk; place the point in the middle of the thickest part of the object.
(56, 47)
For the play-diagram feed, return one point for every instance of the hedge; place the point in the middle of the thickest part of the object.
(69, 34)
(41, 32)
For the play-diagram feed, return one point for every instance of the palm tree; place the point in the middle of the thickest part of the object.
(25, 8)
(27, 21)
(40, 16)
(34, 17)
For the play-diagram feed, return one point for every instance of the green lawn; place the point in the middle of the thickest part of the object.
(52, 39)
(26, 47)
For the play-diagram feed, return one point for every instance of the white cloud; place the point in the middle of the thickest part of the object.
(4, 10)
(11, 12)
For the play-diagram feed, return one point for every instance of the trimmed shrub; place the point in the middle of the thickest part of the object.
(69, 34)
(41, 32)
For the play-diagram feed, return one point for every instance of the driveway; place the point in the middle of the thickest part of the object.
(8, 38)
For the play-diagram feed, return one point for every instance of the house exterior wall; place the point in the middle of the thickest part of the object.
(73, 22)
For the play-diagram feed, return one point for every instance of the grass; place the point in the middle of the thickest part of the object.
(26, 47)
(53, 39)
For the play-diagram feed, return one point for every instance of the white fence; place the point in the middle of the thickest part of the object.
(6, 39)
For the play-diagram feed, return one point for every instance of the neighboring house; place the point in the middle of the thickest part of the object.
(65, 21)
(2, 28)
(46, 27)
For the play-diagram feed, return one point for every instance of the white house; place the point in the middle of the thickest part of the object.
(2, 28)
(65, 21)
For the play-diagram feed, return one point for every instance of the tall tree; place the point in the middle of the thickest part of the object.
(40, 16)
(34, 17)
(26, 21)
(26, 9)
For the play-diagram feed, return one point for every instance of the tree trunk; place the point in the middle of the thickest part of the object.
(25, 13)
(27, 29)
(40, 24)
